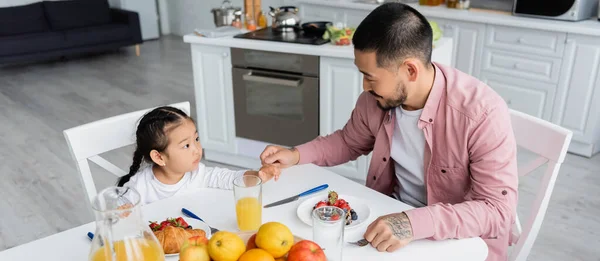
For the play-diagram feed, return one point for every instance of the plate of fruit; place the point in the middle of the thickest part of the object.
(357, 211)
(172, 232)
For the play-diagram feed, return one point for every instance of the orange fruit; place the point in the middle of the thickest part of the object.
(225, 246)
(256, 254)
(281, 259)
(275, 238)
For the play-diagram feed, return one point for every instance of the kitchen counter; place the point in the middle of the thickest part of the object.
(587, 27)
(441, 53)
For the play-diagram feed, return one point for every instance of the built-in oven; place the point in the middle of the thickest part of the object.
(276, 96)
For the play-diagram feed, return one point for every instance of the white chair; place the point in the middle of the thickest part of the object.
(549, 142)
(88, 141)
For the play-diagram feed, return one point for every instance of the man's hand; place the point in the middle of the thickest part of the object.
(279, 156)
(390, 233)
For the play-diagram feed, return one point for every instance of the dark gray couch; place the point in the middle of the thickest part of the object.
(60, 28)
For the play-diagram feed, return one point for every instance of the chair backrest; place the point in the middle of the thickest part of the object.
(550, 142)
(88, 141)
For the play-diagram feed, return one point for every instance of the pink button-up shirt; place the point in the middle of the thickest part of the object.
(470, 159)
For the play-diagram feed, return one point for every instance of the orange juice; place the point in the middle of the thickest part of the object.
(249, 213)
(132, 250)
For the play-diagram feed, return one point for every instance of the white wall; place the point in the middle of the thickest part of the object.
(7, 3)
(187, 15)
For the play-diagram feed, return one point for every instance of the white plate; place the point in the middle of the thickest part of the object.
(196, 224)
(363, 211)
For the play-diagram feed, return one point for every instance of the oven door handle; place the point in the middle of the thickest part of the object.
(271, 80)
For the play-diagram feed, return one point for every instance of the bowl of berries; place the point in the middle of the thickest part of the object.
(356, 210)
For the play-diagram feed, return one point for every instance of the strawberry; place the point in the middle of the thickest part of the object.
(332, 197)
(320, 204)
(335, 217)
(154, 226)
(182, 222)
(341, 201)
(345, 206)
(163, 226)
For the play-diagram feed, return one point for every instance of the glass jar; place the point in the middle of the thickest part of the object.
(431, 2)
(458, 4)
(121, 234)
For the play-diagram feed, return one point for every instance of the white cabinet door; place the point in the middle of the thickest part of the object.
(531, 97)
(340, 85)
(214, 97)
(353, 18)
(577, 106)
(312, 13)
(468, 43)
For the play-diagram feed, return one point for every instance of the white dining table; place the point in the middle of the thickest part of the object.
(216, 207)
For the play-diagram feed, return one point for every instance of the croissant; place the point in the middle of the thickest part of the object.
(172, 238)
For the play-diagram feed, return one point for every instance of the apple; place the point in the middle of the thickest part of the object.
(306, 250)
(251, 243)
(194, 249)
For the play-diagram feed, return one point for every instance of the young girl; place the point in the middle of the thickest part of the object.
(167, 138)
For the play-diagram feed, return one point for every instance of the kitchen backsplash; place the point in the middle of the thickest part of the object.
(501, 5)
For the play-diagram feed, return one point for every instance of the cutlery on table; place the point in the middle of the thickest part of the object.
(192, 215)
(296, 197)
(361, 243)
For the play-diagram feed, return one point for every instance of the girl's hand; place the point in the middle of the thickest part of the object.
(269, 171)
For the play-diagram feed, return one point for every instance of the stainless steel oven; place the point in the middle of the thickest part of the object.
(276, 96)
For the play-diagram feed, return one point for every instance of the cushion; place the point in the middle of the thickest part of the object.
(71, 14)
(22, 19)
(97, 35)
(31, 43)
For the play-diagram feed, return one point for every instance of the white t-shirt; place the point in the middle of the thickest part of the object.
(408, 148)
(152, 190)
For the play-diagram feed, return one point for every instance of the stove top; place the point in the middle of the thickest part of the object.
(269, 34)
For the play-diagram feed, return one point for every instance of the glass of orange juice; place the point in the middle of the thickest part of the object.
(247, 191)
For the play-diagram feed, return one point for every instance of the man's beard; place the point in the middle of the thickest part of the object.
(392, 103)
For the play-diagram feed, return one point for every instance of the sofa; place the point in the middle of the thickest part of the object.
(53, 29)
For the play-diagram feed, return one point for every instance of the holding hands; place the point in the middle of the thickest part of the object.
(280, 156)
(266, 172)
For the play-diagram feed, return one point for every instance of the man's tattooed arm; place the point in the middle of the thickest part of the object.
(400, 226)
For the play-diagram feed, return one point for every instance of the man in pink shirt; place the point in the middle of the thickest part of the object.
(442, 141)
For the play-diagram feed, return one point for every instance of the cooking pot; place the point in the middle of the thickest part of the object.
(226, 14)
(316, 29)
(285, 18)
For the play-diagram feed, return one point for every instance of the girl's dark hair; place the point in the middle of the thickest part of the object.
(151, 134)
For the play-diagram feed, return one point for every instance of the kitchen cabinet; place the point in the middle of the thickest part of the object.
(341, 83)
(531, 97)
(214, 97)
(578, 100)
(310, 12)
(468, 43)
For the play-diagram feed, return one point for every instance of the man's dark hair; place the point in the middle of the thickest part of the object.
(395, 31)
